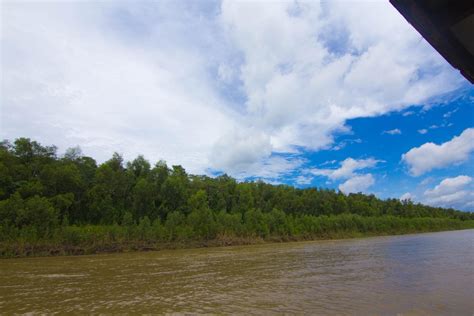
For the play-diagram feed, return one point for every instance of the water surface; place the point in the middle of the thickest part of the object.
(411, 275)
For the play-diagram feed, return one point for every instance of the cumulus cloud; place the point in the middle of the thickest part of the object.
(451, 192)
(346, 169)
(208, 86)
(431, 156)
(406, 196)
(248, 147)
(76, 76)
(354, 182)
(326, 82)
(357, 184)
(395, 131)
(251, 156)
(449, 185)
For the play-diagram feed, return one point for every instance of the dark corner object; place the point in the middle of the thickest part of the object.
(448, 25)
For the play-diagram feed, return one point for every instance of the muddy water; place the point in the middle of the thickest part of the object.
(413, 274)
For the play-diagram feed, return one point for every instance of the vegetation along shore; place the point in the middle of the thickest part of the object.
(59, 205)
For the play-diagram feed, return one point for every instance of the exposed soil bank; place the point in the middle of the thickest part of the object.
(50, 248)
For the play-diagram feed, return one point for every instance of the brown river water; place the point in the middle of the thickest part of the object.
(422, 274)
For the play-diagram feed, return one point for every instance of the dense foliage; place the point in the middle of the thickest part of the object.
(73, 200)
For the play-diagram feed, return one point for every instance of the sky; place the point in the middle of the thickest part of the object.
(343, 94)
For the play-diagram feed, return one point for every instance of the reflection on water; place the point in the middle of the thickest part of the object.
(413, 274)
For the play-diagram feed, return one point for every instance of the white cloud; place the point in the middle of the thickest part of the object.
(408, 113)
(328, 162)
(248, 147)
(451, 192)
(449, 113)
(347, 171)
(406, 196)
(427, 181)
(435, 126)
(78, 80)
(208, 87)
(347, 168)
(395, 131)
(449, 185)
(432, 156)
(357, 184)
(250, 156)
(269, 169)
(226, 73)
(326, 87)
(423, 131)
(302, 180)
(345, 142)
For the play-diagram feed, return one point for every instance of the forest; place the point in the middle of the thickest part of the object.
(54, 204)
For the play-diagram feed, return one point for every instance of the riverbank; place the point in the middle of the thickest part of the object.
(86, 240)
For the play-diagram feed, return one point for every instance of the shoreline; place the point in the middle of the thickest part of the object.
(45, 249)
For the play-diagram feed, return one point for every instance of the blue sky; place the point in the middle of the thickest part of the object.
(302, 93)
(411, 128)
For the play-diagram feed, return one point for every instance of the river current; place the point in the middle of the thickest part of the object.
(420, 274)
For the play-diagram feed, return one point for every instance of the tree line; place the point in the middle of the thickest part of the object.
(69, 198)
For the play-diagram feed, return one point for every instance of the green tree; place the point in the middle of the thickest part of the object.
(139, 167)
(143, 196)
(175, 191)
(277, 223)
(174, 221)
(144, 229)
(255, 223)
(38, 212)
(201, 219)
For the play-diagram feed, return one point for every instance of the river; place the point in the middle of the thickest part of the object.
(419, 274)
